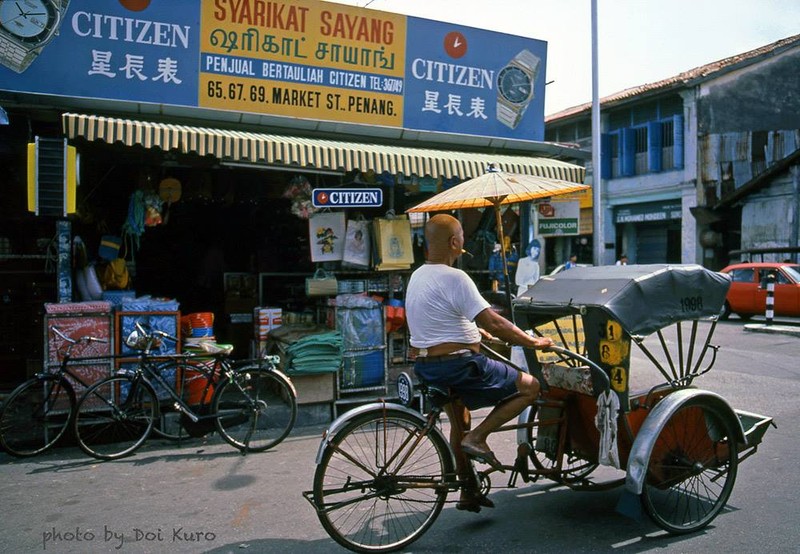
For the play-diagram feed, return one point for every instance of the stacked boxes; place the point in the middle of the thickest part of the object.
(264, 321)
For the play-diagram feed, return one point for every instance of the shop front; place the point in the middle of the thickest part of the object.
(204, 180)
(649, 232)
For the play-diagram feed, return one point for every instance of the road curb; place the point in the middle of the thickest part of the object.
(774, 329)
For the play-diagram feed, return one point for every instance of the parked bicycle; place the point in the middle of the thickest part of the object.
(251, 404)
(39, 411)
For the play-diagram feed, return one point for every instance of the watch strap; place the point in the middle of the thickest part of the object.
(14, 55)
(508, 115)
(528, 61)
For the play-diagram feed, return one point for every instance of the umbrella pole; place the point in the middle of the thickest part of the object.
(506, 281)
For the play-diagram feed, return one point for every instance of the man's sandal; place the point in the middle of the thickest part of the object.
(485, 456)
(474, 502)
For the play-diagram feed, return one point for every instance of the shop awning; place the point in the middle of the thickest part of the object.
(307, 153)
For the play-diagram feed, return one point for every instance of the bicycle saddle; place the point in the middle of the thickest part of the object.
(439, 395)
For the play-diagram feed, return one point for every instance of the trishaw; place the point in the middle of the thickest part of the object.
(384, 470)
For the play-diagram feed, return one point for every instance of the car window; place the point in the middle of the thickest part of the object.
(793, 271)
(764, 274)
(742, 275)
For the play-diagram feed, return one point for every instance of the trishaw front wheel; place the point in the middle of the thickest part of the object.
(544, 438)
(382, 482)
(692, 468)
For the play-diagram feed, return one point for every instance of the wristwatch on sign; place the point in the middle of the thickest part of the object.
(26, 26)
(515, 88)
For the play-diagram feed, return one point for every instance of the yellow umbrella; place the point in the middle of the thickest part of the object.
(497, 188)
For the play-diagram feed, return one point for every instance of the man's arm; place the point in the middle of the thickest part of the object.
(497, 326)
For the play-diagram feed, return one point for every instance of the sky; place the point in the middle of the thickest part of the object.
(639, 41)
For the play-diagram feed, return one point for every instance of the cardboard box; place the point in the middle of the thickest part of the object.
(314, 387)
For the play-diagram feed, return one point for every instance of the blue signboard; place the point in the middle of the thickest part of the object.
(298, 59)
(469, 81)
(347, 198)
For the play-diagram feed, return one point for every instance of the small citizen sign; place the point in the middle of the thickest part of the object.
(347, 198)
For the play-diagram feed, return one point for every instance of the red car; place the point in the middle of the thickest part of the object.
(748, 293)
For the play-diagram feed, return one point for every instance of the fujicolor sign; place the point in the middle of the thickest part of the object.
(304, 59)
(347, 198)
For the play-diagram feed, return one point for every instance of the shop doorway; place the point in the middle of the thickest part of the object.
(657, 243)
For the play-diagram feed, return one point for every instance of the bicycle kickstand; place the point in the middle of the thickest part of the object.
(520, 466)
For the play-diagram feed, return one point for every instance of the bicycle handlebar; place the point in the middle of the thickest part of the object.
(583, 359)
(72, 342)
(141, 327)
(563, 352)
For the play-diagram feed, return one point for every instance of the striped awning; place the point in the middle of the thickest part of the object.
(308, 153)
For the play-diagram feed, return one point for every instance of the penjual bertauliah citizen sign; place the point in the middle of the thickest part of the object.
(347, 198)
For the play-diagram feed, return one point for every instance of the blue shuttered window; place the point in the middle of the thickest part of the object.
(677, 150)
(605, 156)
(654, 146)
(628, 152)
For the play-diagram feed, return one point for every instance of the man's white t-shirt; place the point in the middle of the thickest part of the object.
(442, 303)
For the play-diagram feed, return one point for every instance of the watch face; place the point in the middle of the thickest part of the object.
(514, 84)
(28, 20)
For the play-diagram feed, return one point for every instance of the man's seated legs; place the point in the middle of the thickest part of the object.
(460, 421)
(505, 411)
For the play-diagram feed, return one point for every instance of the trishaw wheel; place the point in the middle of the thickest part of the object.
(380, 484)
(692, 468)
(543, 439)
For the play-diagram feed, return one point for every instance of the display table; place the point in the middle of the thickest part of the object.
(313, 370)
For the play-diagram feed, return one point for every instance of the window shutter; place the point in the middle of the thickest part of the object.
(605, 156)
(628, 152)
(654, 146)
(677, 143)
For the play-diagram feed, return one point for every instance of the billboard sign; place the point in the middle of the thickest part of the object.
(558, 218)
(304, 59)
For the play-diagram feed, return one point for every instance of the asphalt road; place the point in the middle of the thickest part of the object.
(202, 496)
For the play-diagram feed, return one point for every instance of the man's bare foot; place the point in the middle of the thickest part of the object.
(481, 453)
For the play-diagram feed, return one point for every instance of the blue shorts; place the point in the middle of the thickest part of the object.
(479, 381)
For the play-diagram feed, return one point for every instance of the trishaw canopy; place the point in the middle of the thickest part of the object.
(642, 298)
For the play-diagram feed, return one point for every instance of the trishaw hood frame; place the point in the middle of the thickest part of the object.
(642, 298)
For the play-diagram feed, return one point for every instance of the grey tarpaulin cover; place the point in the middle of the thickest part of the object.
(643, 298)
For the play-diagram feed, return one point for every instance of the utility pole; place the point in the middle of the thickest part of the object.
(597, 208)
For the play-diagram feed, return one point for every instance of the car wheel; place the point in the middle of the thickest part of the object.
(725, 311)
(745, 317)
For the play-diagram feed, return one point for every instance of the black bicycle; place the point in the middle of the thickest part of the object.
(39, 411)
(251, 404)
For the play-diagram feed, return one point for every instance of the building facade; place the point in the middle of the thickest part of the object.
(688, 163)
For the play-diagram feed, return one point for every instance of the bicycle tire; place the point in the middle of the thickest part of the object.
(692, 468)
(115, 416)
(36, 415)
(256, 409)
(367, 507)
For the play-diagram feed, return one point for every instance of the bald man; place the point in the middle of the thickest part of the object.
(447, 318)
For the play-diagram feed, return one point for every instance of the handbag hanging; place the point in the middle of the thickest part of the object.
(326, 231)
(322, 284)
(357, 244)
(394, 248)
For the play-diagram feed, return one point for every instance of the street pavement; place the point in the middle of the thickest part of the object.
(202, 496)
